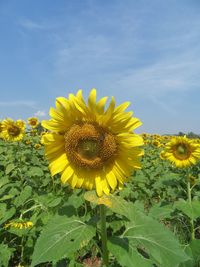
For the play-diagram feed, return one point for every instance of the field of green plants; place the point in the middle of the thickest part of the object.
(154, 221)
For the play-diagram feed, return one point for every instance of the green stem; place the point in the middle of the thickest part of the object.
(104, 234)
(189, 190)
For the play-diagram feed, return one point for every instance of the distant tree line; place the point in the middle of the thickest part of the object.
(189, 135)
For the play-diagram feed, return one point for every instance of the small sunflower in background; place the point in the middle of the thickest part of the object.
(37, 146)
(91, 146)
(19, 225)
(181, 151)
(28, 142)
(13, 130)
(33, 122)
(1, 128)
(156, 143)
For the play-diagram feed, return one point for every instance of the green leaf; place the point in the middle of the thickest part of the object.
(5, 254)
(3, 208)
(127, 255)
(192, 210)
(55, 201)
(35, 171)
(61, 238)
(3, 181)
(75, 201)
(192, 250)
(161, 212)
(195, 248)
(24, 195)
(8, 214)
(9, 168)
(159, 243)
(144, 232)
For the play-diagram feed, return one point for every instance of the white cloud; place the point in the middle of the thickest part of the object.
(19, 103)
(31, 25)
(161, 78)
(40, 113)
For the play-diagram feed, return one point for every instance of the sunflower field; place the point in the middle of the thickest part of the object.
(82, 189)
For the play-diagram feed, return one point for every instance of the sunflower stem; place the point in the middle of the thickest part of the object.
(104, 234)
(189, 190)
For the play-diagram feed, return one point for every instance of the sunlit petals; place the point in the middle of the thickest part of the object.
(59, 164)
(67, 174)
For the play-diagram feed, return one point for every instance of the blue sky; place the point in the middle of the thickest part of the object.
(146, 52)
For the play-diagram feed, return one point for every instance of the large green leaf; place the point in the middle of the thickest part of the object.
(143, 232)
(160, 212)
(192, 210)
(5, 254)
(127, 255)
(61, 238)
(156, 240)
(195, 248)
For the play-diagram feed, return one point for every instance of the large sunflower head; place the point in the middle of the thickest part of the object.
(13, 130)
(91, 146)
(181, 151)
(33, 122)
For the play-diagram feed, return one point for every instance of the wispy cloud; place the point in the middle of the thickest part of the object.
(40, 113)
(162, 78)
(31, 24)
(28, 104)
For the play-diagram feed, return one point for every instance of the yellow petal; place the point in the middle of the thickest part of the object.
(101, 105)
(74, 180)
(98, 184)
(112, 181)
(92, 99)
(67, 174)
(122, 107)
(59, 164)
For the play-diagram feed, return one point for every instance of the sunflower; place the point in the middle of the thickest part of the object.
(181, 151)
(33, 122)
(37, 146)
(19, 225)
(13, 130)
(1, 128)
(156, 143)
(92, 147)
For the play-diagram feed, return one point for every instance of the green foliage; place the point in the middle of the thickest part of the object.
(149, 221)
(62, 237)
(143, 237)
(192, 210)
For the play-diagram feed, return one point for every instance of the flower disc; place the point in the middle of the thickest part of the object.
(89, 146)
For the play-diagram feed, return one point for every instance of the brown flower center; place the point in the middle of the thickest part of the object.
(182, 151)
(33, 122)
(14, 131)
(89, 146)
